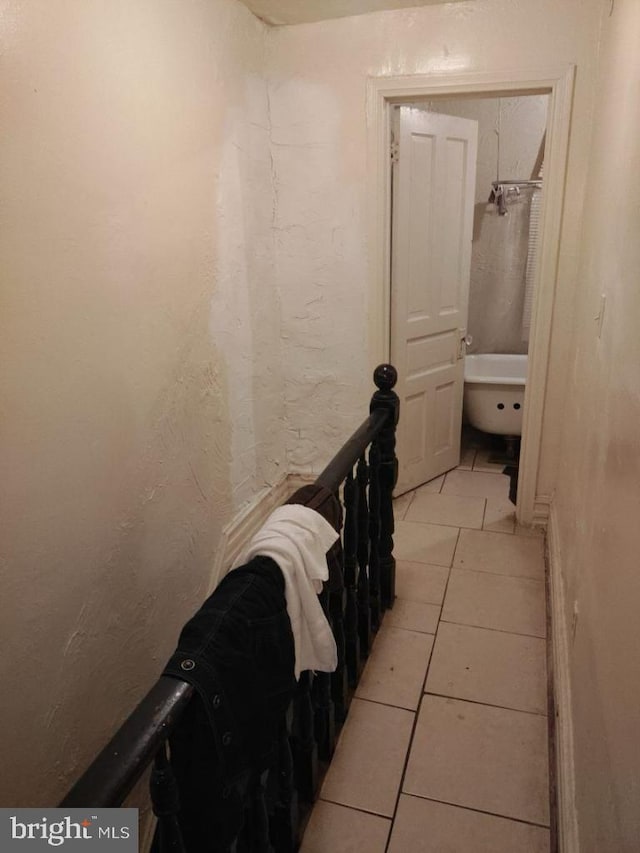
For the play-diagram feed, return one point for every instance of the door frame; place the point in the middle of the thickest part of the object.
(382, 94)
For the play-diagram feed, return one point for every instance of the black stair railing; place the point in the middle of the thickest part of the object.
(365, 471)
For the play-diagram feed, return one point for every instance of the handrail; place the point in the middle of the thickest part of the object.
(352, 450)
(116, 769)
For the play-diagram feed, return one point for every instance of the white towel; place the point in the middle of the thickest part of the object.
(298, 539)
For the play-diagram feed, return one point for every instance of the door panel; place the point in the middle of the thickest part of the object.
(433, 199)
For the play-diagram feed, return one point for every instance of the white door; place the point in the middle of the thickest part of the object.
(433, 200)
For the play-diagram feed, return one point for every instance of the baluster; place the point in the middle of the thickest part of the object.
(363, 593)
(337, 602)
(385, 377)
(256, 831)
(352, 640)
(339, 685)
(165, 800)
(325, 725)
(374, 536)
(284, 824)
(305, 750)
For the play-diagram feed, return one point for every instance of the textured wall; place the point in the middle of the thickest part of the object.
(318, 77)
(141, 389)
(597, 501)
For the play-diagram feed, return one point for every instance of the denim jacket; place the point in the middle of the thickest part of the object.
(237, 651)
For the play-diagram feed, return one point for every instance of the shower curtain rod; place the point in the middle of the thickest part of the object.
(502, 183)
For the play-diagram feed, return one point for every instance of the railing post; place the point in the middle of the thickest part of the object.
(339, 681)
(364, 602)
(285, 817)
(166, 803)
(352, 638)
(305, 750)
(385, 377)
(325, 725)
(374, 536)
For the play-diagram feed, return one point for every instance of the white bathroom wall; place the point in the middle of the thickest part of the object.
(597, 501)
(499, 253)
(521, 122)
(318, 76)
(141, 383)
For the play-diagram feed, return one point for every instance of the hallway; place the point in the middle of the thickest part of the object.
(445, 746)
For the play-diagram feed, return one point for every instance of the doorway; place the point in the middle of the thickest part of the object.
(465, 200)
(383, 94)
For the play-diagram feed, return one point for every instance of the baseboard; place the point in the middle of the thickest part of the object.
(568, 839)
(297, 480)
(541, 510)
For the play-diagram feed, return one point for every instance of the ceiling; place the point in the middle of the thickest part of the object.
(280, 12)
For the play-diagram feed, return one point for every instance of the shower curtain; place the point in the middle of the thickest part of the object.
(532, 261)
(499, 316)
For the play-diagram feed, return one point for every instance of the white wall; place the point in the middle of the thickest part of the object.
(318, 75)
(521, 122)
(597, 503)
(511, 130)
(141, 383)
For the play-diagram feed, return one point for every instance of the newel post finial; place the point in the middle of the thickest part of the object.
(385, 377)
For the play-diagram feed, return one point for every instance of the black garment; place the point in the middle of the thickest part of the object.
(238, 653)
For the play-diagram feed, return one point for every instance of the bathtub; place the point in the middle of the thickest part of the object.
(494, 392)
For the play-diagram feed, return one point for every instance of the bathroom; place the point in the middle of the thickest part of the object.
(511, 133)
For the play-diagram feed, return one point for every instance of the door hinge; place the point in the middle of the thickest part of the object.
(395, 153)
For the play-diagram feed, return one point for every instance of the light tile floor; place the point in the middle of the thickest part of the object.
(445, 745)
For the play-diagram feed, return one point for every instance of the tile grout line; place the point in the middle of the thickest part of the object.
(540, 580)
(479, 529)
(497, 630)
(356, 809)
(408, 506)
(403, 627)
(485, 704)
(386, 704)
(479, 811)
(462, 526)
(487, 572)
(420, 700)
(416, 601)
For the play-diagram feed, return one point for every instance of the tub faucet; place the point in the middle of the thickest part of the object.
(465, 341)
